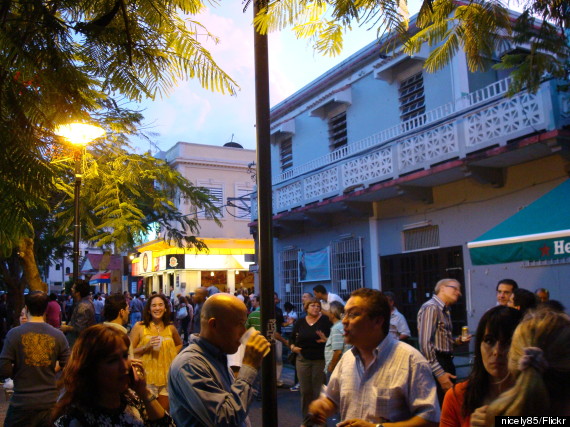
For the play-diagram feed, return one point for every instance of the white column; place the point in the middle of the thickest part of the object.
(231, 281)
(374, 244)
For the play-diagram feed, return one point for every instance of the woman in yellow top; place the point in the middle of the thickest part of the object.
(156, 342)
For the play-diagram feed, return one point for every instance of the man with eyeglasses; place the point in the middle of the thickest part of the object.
(380, 380)
(436, 333)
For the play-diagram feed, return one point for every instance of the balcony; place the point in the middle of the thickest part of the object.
(479, 121)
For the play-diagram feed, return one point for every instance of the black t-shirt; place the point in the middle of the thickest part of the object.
(305, 336)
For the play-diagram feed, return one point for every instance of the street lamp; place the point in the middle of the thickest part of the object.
(78, 134)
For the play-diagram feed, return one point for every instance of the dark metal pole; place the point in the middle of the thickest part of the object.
(76, 229)
(264, 220)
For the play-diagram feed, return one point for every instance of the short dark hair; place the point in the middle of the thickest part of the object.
(37, 302)
(509, 282)
(82, 287)
(52, 296)
(525, 300)
(389, 295)
(378, 305)
(288, 306)
(320, 289)
(113, 305)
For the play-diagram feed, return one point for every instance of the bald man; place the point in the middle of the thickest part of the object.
(202, 389)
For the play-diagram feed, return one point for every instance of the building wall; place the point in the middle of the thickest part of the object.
(227, 167)
(464, 210)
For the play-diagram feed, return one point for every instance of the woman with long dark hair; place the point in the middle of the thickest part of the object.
(490, 375)
(157, 342)
(101, 386)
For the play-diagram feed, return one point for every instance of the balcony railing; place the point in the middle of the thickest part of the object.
(480, 119)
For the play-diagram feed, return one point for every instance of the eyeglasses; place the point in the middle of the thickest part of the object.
(353, 315)
(454, 287)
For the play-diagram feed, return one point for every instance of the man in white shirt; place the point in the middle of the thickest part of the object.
(398, 325)
(379, 381)
(326, 297)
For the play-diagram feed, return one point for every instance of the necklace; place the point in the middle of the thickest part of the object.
(156, 326)
(501, 381)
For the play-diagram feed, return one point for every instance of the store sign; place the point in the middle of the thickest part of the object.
(175, 262)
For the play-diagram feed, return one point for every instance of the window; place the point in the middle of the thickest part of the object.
(412, 99)
(286, 154)
(347, 266)
(216, 197)
(242, 203)
(337, 131)
(421, 238)
(67, 270)
(58, 266)
(291, 289)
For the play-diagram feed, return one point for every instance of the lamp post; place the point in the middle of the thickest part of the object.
(78, 134)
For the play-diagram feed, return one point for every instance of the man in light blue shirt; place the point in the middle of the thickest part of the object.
(202, 389)
(381, 380)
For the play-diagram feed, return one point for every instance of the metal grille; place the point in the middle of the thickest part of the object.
(412, 99)
(289, 274)
(337, 131)
(347, 267)
(421, 238)
(286, 154)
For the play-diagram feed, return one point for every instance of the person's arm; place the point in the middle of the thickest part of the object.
(403, 328)
(176, 338)
(136, 339)
(7, 358)
(154, 409)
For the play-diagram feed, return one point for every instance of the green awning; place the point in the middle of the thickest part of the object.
(541, 231)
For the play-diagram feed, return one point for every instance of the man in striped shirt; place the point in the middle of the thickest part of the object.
(436, 333)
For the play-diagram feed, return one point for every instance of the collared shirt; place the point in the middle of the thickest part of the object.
(398, 324)
(254, 319)
(334, 342)
(137, 306)
(396, 386)
(435, 332)
(325, 305)
(82, 317)
(202, 389)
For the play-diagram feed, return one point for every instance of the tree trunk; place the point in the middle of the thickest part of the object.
(31, 272)
(12, 275)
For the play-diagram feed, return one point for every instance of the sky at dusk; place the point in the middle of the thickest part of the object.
(193, 114)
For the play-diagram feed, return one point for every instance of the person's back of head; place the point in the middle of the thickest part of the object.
(52, 296)
(37, 302)
(552, 305)
(320, 289)
(113, 306)
(82, 287)
(336, 309)
(524, 300)
(540, 360)
(288, 306)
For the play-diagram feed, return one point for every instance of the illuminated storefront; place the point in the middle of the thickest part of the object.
(225, 265)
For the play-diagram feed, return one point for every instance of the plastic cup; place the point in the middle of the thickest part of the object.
(245, 338)
(156, 347)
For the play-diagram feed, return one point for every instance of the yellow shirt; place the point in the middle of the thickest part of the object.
(156, 363)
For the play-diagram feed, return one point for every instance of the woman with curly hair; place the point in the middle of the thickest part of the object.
(157, 342)
(489, 376)
(539, 360)
(103, 387)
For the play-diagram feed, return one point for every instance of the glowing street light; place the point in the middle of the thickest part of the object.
(79, 134)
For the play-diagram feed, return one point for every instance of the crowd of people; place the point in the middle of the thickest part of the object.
(187, 360)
